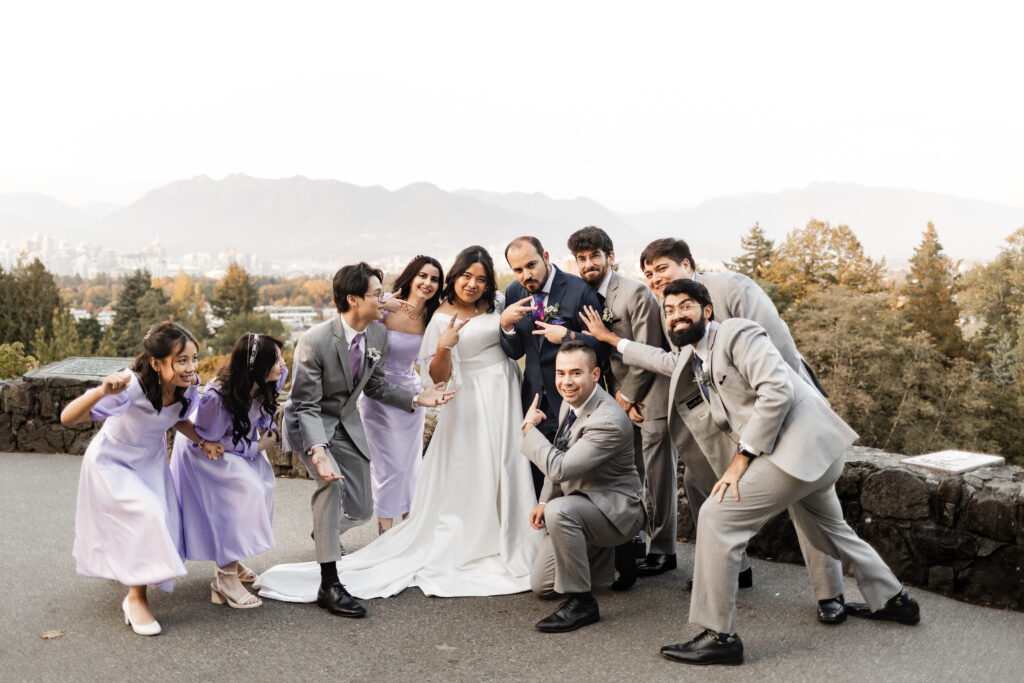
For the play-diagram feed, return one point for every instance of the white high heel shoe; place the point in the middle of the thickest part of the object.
(150, 629)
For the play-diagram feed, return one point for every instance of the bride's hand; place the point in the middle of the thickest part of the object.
(450, 336)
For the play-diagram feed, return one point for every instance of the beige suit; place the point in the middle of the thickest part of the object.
(322, 410)
(592, 494)
(634, 314)
(757, 398)
(734, 295)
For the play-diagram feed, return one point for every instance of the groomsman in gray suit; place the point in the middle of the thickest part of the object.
(591, 500)
(335, 361)
(788, 453)
(700, 444)
(630, 310)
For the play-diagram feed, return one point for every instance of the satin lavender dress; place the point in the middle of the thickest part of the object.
(395, 436)
(227, 504)
(127, 523)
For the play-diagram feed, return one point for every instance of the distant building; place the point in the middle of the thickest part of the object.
(292, 317)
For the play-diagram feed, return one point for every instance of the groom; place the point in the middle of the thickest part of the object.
(335, 361)
(592, 499)
(542, 312)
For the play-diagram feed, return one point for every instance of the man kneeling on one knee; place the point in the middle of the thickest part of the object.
(591, 500)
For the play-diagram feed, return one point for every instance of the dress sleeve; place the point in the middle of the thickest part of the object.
(211, 419)
(429, 347)
(110, 406)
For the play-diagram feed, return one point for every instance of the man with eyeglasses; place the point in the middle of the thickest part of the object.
(630, 310)
(704, 450)
(335, 361)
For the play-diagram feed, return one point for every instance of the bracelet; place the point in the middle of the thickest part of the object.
(442, 346)
(528, 422)
(202, 443)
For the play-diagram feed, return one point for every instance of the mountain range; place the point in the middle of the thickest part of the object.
(301, 218)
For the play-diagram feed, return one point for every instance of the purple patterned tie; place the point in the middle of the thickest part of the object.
(355, 356)
(538, 306)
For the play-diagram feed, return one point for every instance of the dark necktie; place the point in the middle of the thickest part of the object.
(538, 306)
(700, 377)
(601, 300)
(355, 357)
(562, 439)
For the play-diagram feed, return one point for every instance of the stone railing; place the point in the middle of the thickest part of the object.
(961, 535)
(957, 534)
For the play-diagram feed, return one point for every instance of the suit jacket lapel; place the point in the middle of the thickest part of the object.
(341, 343)
(718, 411)
(554, 297)
(612, 291)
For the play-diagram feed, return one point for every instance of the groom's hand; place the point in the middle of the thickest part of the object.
(516, 312)
(435, 396)
(556, 334)
(537, 517)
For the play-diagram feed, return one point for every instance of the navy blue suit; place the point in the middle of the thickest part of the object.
(571, 294)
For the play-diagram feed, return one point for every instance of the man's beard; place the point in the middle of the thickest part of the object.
(536, 286)
(689, 335)
(593, 277)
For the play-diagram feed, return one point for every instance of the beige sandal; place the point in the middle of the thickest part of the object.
(219, 595)
(246, 575)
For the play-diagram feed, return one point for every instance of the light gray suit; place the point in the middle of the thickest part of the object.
(592, 493)
(757, 398)
(700, 444)
(322, 410)
(635, 314)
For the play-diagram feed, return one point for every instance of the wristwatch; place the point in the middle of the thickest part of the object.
(528, 422)
(749, 454)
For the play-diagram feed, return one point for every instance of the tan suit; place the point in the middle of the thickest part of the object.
(734, 295)
(592, 493)
(634, 313)
(757, 398)
(322, 410)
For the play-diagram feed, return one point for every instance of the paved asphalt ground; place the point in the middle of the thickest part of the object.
(411, 637)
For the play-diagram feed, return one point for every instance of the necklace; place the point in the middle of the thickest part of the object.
(416, 317)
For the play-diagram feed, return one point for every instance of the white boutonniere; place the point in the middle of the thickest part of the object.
(705, 381)
(607, 316)
(373, 355)
(551, 314)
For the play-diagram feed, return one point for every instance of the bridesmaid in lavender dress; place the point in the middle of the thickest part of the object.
(128, 524)
(395, 437)
(227, 503)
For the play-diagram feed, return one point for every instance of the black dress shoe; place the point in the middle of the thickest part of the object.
(336, 600)
(832, 611)
(626, 556)
(575, 612)
(900, 608)
(707, 648)
(745, 579)
(655, 564)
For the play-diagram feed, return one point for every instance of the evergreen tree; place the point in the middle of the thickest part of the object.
(757, 254)
(235, 294)
(138, 306)
(30, 296)
(62, 342)
(930, 289)
(89, 328)
(260, 323)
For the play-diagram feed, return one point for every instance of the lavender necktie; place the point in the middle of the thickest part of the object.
(355, 356)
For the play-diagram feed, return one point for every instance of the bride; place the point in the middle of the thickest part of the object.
(468, 531)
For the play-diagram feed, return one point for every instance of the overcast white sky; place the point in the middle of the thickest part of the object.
(637, 105)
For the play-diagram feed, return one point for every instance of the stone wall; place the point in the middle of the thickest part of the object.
(30, 415)
(961, 535)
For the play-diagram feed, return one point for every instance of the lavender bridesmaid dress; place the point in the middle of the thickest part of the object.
(395, 436)
(227, 504)
(127, 523)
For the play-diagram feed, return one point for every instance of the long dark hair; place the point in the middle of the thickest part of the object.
(251, 360)
(466, 258)
(403, 285)
(162, 340)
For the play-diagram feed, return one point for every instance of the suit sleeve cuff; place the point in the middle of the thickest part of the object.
(621, 346)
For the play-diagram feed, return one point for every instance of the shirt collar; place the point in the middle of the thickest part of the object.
(603, 289)
(350, 333)
(701, 348)
(590, 398)
(551, 278)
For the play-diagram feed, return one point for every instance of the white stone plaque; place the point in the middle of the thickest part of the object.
(954, 462)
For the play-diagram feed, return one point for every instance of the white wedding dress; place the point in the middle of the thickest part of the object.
(468, 532)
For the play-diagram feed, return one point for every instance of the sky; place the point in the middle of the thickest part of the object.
(640, 106)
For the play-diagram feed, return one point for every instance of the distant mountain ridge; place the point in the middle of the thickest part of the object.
(298, 218)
